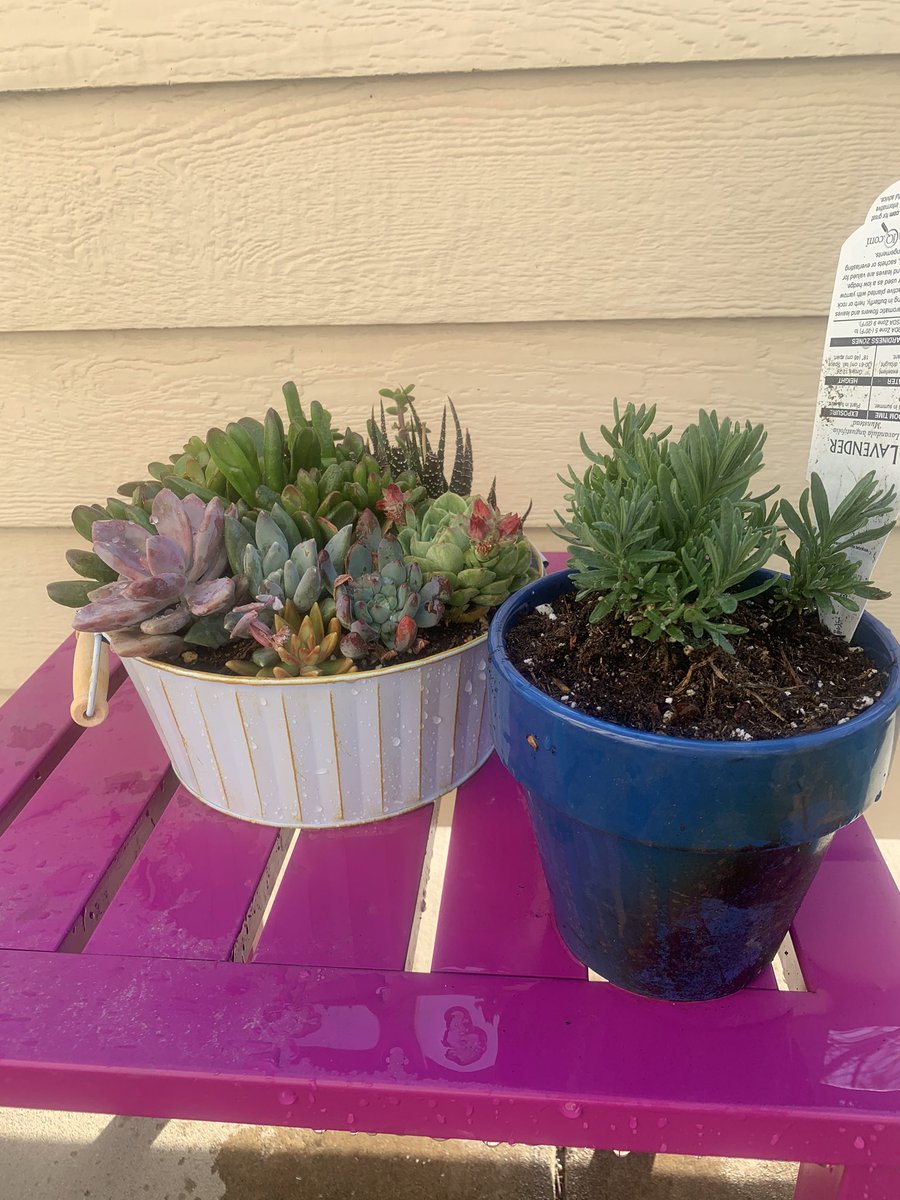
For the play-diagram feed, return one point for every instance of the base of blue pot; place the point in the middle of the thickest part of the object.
(670, 924)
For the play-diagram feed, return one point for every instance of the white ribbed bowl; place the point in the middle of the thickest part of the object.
(325, 751)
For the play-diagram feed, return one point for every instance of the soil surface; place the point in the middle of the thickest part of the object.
(442, 637)
(787, 676)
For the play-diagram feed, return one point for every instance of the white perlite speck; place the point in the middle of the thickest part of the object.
(546, 610)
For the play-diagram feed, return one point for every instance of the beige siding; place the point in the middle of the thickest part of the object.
(32, 557)
(641, 192)
(91, 409)
(92, 43)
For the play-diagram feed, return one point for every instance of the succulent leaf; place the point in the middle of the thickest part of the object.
(166, 578)
(482, 554)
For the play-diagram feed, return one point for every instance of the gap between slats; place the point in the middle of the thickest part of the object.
(263, 899)
(786, 965)
(420, 951)
(111, 880)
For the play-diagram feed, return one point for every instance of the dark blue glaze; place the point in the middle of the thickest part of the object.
(676, 866)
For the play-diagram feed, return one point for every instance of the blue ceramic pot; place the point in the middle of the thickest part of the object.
(676, 866)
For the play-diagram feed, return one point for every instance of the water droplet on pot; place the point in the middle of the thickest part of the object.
(436, 719)
(354, 691)
(263, 702)
(468, 688)
(253, 746)
(395, 741)
(482, 664)
(321, 770)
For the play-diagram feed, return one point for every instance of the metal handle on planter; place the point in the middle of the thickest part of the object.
(90, 680)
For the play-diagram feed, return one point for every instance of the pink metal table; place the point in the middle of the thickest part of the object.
(159, 959)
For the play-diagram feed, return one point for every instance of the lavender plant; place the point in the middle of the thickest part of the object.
(667, 534)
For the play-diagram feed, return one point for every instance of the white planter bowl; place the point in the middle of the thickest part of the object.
(327, 751)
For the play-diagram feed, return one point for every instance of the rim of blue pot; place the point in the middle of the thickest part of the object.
(529, 597)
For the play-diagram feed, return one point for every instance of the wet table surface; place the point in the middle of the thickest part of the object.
(158, 958)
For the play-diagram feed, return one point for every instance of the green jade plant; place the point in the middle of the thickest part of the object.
(667, 533)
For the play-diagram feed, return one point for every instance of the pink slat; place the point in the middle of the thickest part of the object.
(35, 724)
(56, 851)
(869, 1183)
(188, 892)
(548, 1061)
(847, 932)
(496, 914)
(348, 896)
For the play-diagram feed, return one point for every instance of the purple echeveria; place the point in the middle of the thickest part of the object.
(167, 579)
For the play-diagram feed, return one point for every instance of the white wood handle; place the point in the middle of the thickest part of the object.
(81, 681)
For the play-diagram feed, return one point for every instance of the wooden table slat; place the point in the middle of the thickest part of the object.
(56, 851)
(496, 916)
(36, 729)
(847, 932)
(348, 896)
(543, 1060)
(188, 892)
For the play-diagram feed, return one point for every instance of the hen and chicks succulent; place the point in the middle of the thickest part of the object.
(303, 550)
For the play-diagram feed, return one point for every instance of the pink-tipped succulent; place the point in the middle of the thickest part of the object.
(167, 580)
(481, 552)
(487, 527)
(396, 505)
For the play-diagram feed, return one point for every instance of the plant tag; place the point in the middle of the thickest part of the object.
(857, 426)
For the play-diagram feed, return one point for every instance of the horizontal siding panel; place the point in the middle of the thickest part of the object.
(31, 558)
(610, 194)
(91, 409)
(90, 43)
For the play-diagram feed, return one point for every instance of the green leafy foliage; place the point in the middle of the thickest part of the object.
(406, 446)
(667, 533)
(822, 572)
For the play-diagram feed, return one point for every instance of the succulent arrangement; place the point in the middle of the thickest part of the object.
(666, 534)
(287, 548)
